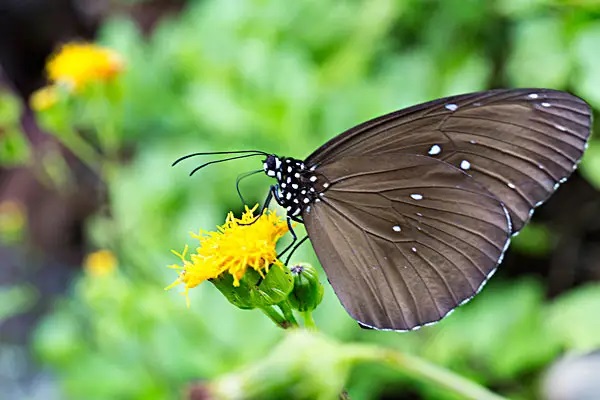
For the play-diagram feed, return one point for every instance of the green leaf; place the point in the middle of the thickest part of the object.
(16, 300)
(587, 80)
(534, 239)
(10, 109)
(14, 147)
(573, 318)
(538, 57)
(590, 164)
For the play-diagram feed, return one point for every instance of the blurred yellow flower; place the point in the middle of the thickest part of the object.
(73, 66)
(100, 263)
(236, 246)
(12, 220)
(44, 98)
(76, 64)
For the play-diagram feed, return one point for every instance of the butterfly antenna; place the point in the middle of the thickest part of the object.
(206, 164)
(215, 153)
(239, 179)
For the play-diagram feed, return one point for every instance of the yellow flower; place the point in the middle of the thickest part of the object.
(237, 245)
(13, 219)
(73, 66)
(44, 98)
(76, 64)
(99, 263)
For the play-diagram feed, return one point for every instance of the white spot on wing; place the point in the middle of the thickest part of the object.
(464, 164)
(396, 228)
(435, 149)
(313, 178)
(414, 249)
(416, 196)
(545, 104)
(277, 163)
(511, 185)
(325, 185)
(533, 95)
(561, 128)
(451, 107)
(472, 141)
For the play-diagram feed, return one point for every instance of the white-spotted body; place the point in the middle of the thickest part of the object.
(297, 186)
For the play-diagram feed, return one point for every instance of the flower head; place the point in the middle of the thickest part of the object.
(100, 263)
(44, 98)
(76, 64)
(239, 244)
(13, 220)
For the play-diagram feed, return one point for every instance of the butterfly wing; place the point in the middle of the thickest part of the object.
(404, 239)
(519, 144)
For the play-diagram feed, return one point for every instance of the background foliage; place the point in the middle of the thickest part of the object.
(284, 77)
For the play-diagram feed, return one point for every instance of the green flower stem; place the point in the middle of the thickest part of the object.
(288, 313)
(309, 322)
(82, 149)
(424, 371)
(275, 316)
(318, 367)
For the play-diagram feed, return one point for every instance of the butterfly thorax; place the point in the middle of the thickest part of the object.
(297, 185)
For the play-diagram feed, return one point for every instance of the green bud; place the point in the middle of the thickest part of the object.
(255, 291)
(308, 291)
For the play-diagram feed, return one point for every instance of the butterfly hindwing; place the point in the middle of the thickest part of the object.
(404, 240)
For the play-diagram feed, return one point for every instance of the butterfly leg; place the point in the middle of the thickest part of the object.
(287, 260)
(272, 192)
(294, 238)
(239, 179)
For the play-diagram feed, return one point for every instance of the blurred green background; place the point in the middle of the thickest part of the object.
(281, 77)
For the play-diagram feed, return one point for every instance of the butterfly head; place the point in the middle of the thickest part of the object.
(295, 189)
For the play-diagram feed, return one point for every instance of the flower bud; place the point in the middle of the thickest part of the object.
(308, 291)
(254, 290)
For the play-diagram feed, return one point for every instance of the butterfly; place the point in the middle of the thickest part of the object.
(411, 213)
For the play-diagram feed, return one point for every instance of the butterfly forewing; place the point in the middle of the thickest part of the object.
(404, 239)
(519, 144)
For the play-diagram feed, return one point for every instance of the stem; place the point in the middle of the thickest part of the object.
(425, 371)
(288, 313)
(275, 316)
(82, 149)
(309, 322)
